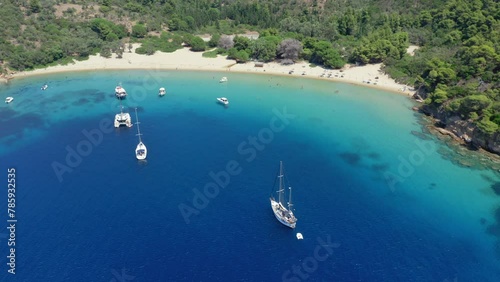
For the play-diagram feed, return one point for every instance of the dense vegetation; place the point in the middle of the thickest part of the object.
(456, 69)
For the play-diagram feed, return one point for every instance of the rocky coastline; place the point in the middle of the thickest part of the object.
(469, 146)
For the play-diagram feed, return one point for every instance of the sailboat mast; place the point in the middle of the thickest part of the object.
(280, 191)
(290, 199)
(138, 130)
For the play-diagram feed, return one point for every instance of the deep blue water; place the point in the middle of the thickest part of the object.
(373, 201)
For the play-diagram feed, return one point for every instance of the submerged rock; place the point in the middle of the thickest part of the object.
(420, 135)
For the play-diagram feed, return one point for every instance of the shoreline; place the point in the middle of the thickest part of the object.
(186, 60)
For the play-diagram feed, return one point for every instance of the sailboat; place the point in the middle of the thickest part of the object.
(283, 211)
(140, 151)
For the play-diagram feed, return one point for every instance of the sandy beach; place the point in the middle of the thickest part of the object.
(184, 59)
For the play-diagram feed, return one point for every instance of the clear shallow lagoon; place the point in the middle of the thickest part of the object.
(113, 217)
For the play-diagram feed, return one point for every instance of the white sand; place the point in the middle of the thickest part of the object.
(368, 75)
(184, 59)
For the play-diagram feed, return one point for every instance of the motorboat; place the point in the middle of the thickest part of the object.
(120, 92)
(223, 79)
(162, 92)
(123, 119)
(9, 99)
(223, 100)
(44, 87)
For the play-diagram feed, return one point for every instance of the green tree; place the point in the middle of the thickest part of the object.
(177, 23)
(241, 43)
(197, 44)
(438, 72)
(139, 31)
(107, 30)
(35, 6)
(439, 95)
(134, 7)
(478, 57)
(213, 15)
(324, 54)
(347, 23)
(473, 104)
(241, 56)
(105, 52)
(425, 18)
(147, 48)
(487, 126)
(263, 50)
(214, 40)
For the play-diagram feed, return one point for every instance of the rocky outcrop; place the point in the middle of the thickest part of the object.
(464, 129)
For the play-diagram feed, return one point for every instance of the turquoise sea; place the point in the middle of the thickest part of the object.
(374, 201)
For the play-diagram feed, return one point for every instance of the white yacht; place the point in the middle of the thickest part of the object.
(123, 119)
(162, 92)
(140, 151)
(120, 92)
(223, 79)
(9, 99)
(223, 100)
(281, 208)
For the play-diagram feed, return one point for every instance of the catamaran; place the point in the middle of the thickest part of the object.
(140, 151)
(283, 214)
(123, 119)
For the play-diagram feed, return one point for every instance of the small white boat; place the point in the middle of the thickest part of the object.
(9, 99)
(120, 92)
(162, 92)
(140, 151)
(299, 236)
(44, 87)
(223, 100)
(123, 119)
(223, 79)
